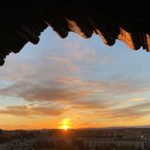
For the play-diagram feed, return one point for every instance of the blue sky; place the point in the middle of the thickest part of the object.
(79, 80)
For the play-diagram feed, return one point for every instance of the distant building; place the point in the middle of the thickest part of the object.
(93, 143)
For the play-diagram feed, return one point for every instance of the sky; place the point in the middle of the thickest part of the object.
(76, 83)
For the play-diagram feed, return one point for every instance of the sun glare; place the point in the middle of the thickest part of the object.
(65, 124)
(65, 127)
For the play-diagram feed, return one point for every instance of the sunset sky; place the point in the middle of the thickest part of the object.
(76, 82)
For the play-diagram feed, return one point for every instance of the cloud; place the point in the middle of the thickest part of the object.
(137, 99)
(72, 92)
(50, 91)
(131, 112)
(141, 106)
(80, 53)
(50, 94)
(89, 105)
(28, 111)
(64, 64)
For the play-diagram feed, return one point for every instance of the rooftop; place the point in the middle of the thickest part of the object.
(23, 22)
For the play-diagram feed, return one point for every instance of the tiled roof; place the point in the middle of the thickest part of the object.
(23, 22)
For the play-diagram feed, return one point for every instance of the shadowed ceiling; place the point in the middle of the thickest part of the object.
(23, 22)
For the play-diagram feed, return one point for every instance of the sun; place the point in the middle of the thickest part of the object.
(65, 124)
(65, 127)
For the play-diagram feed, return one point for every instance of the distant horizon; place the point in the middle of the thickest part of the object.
(90, 128)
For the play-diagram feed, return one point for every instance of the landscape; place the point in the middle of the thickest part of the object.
(74, 75)
(76, 139)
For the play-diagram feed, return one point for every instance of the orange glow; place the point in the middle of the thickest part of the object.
(65, 124)
(65, 127)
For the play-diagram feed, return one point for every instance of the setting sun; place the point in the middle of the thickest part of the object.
(65, 127)
(65, 124)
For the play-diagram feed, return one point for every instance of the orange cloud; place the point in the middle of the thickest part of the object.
(28, 111)
(136, 99)
(135, 112)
